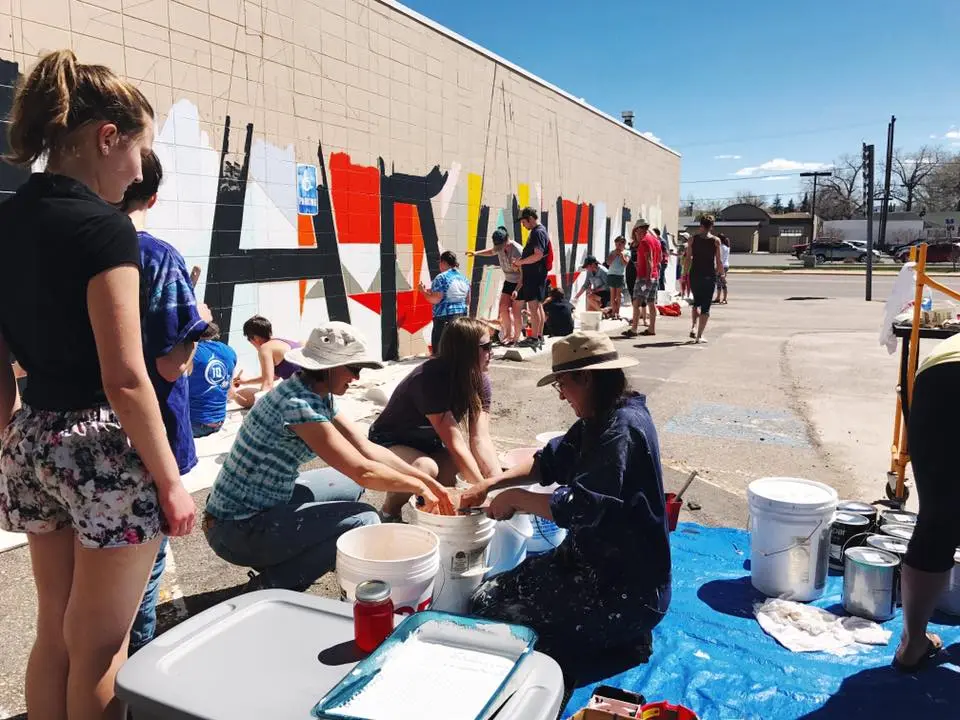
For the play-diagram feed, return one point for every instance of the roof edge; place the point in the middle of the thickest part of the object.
(433, 25)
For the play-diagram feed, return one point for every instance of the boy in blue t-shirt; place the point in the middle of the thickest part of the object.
(171, 323)
(211, 382)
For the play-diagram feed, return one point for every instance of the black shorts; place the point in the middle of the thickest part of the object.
(417, 438)
(533, 290)
(604, 297)
(703, 289)
(508, 287)
(931, 431)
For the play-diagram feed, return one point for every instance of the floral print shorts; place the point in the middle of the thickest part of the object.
(77, 468)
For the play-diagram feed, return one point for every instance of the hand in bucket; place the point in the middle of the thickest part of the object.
(438, 499)
(474, 495)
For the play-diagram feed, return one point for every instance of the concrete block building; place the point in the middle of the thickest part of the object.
(320, 154)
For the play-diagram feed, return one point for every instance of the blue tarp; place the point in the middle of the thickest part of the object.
(711, 655)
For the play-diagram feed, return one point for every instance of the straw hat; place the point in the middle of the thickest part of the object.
(331, 345)
(585, 351)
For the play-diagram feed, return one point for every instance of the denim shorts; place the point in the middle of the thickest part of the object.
(75, 469)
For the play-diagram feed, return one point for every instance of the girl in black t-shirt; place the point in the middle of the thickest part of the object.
(69, 312)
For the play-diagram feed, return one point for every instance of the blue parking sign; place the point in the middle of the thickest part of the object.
(307, 199)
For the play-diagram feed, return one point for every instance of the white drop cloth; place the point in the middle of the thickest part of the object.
(805, 628)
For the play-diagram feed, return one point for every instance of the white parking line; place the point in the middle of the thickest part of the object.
(176, 593)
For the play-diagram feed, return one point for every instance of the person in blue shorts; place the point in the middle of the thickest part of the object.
(211, 382)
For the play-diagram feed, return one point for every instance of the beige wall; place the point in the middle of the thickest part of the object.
(363, 78)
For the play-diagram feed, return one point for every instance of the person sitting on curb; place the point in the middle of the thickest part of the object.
(594, 284)
(422, 422)
(273, 364)
(559, 313)
(510, 313)
(609, 584)
(211, 382)
(449, 294)
(263, 512)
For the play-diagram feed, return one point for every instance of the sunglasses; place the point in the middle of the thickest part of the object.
(487, 346)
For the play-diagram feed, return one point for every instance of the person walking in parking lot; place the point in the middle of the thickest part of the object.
(706, 265)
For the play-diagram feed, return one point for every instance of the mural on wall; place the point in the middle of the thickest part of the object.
(376, 234)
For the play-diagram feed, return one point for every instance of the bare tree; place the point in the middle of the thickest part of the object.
(940, 188)
(910, 170)
(839, 196)
(749, 198)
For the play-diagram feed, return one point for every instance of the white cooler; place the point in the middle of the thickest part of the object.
(274, 654)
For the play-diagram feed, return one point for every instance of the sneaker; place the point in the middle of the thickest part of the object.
(629, 332)
(539, 345)
(693, 335)
(701, 341)
(527, 342)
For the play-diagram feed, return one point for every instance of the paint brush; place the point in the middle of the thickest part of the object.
(687, 484)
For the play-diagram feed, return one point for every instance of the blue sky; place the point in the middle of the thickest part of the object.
(752, 87)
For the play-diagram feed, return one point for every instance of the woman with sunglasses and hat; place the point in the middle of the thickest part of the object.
(263, 512)
(438, 418)
(608, 584)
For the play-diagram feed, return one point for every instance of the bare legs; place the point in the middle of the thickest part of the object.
(921, 590)
(511, 320)
(438, 465)
(86, 601)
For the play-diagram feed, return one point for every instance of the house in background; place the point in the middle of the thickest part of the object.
(752, 229)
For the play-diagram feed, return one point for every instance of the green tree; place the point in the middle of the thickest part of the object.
(776, 207)
(791, 206)
(805, 203)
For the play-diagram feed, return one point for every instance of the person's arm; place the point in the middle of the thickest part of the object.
(115, 318)
(718, 257)
(452, 438)
(482, 447)
(265, 353)
(649, 252)
(486, 252)
(521, 474)
(177, 362)
(337, 451)
(536, 257)
(377, 453)
(506, 504)
(9, 395)
(432, 296)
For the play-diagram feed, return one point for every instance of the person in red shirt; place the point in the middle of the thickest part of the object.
(648, 270)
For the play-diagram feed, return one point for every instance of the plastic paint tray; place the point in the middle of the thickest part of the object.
(357, 696)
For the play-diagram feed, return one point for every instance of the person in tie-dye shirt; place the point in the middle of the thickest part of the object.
(171, 324)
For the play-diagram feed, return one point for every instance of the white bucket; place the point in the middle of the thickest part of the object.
(509, 545)
(590, 320)
(547, 536)
(405, 556)
(790, 523)
(464, 546)
(545, 437)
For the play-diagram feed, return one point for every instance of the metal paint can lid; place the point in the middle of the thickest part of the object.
(904, 532)
(871, 556)
(857, 507)
(889, 543)
(898, 517)
(372, 591)
(849, 518)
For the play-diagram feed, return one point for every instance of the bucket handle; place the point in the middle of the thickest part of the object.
(796, 544)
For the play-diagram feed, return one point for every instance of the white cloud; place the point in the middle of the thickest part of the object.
(726, 157)
(780, 165)
(952, 135)
(771, 178)
(650, 136)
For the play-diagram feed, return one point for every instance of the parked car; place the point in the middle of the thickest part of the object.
(936, 253)
(840, 251)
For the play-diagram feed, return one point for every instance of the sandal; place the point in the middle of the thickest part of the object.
(629, 333)
(647, 333)
(933, 649)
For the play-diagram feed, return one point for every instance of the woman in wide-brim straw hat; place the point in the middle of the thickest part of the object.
(608, 584)
(263, 512)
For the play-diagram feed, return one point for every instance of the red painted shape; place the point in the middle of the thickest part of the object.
(414, 313)
(369, 300)
(355, 192)
(584, 224)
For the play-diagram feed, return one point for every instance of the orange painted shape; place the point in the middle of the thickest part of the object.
(355, 193)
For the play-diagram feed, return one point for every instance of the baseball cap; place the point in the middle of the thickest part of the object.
(499, 236)
(529, 212)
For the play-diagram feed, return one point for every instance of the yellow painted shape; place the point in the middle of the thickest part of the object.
(523, 198)
(474, 196)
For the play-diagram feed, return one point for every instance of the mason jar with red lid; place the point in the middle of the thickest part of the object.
(372, 614)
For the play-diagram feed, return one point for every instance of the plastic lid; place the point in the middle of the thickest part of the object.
(889, 544)
(791, 494)
(900, 517)
(372, 591)
(849, 518)
(904, 532)
(871, 556)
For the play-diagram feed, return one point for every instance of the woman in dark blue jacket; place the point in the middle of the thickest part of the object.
(608, 585)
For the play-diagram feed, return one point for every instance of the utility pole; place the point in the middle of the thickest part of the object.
(813, 204)
(868, 212)
(885, 201)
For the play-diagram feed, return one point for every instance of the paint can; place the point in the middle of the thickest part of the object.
(897, 517)
(859, 508)
(848, 530)
(901, 532)
(869, 589)
(894, 546)
(949, 601)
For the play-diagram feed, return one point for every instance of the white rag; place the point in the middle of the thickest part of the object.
(901, 299)
(805, 628)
